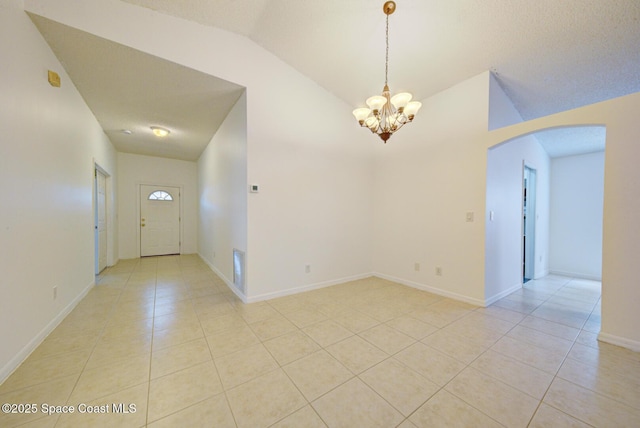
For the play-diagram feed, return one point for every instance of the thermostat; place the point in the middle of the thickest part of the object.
(254, 188)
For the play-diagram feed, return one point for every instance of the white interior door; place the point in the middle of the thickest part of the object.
(159, 220)
(101, 221)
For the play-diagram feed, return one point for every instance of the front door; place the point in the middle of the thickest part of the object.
(159, 220)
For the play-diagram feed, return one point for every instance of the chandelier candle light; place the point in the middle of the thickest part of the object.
(387, 114)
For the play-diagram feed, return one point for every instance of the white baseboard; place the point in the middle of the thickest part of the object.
(577, 275)
(309, 287)
(489, 301)
(226, 280)
(434, 290)
(634, 345)
(24, 353)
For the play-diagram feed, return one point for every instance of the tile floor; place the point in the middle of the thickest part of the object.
(167, 336)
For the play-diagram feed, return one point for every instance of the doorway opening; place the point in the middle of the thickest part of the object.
(529, 217)
(100, 219)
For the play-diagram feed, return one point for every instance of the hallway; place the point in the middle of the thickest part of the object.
(166, 335)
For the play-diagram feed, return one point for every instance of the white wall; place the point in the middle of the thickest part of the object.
(314, 170)
(50, 141)
(503, 245)
(621, 236)
(453, 175)
(427, 177)
(134, 170)
(503, 253)
(222, 193)
(577, 194)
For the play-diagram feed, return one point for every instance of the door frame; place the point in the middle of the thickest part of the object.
(530, 191)
(138, 212)
(108, 218)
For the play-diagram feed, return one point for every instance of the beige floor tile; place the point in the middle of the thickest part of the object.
(175, 321)
(499, 401)
(547, 416)
(229, 341)
(455, 346)
(181, 389)
(447, 410)
(412, 327)
(254, 312)
(169, 317)
(305, 417)
(540, 339)
(124, 408)
(590, 407)
(502, 313)
(291, 347)
(272, 327)
(613, 384)
(110, 378)
(167, 307)
(317, 374)
(609, 357)
(327, 332)
(514, 373)
(174, 358)
(108, 350)
(403, 388)
(356, 354)
(212, 412)
(523, 377)
(214, 325)
(265, 400)
(63, 343)
(430, 363)
(40, 370)
(355, 321)
(386, 338)
(558, 330)
(354, 404)
(43, 422)
(561, 315)
(175, 336)
(55, 392)
(540, 358)
(305, 317)
(117, 330)
(244, 365)
(524, 307)
(483, 320)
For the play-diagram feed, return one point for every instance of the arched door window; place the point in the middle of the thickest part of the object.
(160, 195)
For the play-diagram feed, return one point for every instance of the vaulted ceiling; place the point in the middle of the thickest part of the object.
(548, 56)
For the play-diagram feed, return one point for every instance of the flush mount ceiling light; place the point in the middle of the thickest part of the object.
(387, 114)
(159, 131)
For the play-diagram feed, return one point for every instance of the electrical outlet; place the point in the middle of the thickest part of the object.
(55, 293)
(307, 268)
(438, 271)
(416, 267)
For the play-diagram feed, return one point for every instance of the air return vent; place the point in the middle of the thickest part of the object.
(238, 270)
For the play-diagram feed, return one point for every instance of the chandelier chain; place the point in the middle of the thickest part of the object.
(386, 61)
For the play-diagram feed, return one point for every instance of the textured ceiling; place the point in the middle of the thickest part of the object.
(548, 55)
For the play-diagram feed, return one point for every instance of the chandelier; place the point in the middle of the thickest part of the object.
(386, 114)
